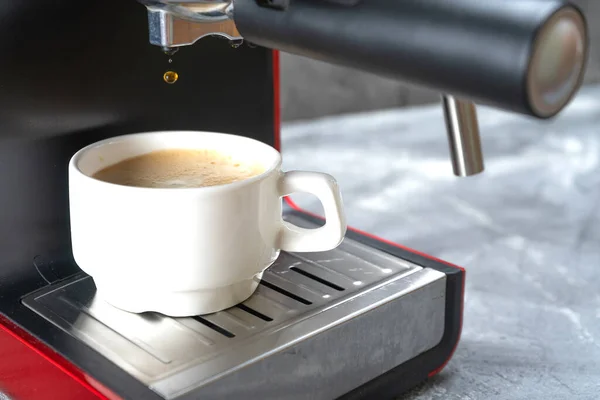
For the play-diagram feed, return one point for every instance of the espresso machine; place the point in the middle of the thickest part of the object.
(370, 319)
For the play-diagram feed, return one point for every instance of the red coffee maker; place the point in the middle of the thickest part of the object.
(369, 319)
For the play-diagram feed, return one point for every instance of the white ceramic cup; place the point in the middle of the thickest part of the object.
(189, 251)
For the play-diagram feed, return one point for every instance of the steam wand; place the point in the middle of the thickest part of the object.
(463, 136)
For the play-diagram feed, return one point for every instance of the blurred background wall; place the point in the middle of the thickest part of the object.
(312, 89)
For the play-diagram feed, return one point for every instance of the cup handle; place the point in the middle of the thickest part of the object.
(293, 238)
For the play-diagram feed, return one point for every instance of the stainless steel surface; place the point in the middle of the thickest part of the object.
(351, 312)
(180, 23)
(463, 136)
(348, 354)
(558, 62)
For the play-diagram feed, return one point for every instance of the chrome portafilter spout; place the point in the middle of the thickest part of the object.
(173, 24)
(526, 56)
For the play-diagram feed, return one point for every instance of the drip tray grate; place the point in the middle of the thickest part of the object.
(301, 297)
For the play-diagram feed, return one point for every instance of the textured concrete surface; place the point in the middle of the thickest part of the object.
(312, 89)
(527, 231)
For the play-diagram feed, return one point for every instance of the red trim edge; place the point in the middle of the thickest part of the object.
(56, 362)
(291, 203)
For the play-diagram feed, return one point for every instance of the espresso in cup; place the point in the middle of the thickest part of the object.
(179, 168)
(185, 223)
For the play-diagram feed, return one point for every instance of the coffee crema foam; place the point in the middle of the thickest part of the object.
(178, 168)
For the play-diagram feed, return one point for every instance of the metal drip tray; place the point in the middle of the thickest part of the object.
(312, 315)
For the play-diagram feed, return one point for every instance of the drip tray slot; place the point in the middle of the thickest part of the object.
(295, 318)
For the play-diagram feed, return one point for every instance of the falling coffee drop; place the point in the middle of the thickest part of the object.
(171, 77)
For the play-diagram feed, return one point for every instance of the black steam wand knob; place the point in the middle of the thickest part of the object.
(527, 56)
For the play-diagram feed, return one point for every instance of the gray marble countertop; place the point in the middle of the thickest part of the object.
(527, 231)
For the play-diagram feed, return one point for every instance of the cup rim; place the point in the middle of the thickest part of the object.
(276, 164)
